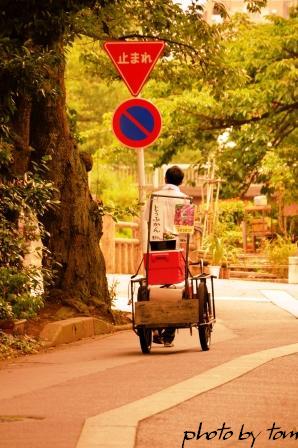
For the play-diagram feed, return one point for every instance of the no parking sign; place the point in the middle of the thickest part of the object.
(137, 123)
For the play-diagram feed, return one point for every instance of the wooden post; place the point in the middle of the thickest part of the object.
(107, 243)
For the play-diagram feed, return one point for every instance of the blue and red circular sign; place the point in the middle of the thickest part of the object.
(137, 123)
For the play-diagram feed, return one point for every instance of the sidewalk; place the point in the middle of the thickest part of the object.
(282, 294)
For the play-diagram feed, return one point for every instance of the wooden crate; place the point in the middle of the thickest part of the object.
(159, 313)
(259, 226)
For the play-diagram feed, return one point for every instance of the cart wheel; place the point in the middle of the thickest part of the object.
(204, 317)
(145, 335)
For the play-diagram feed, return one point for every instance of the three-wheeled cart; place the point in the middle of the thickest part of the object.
(169, 295)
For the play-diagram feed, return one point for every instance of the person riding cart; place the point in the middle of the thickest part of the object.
(169, 296)
(163, 228)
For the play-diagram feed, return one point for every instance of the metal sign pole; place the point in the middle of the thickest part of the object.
(134, 61)
(142, 197)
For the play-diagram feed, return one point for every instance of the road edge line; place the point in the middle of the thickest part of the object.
(117, 428)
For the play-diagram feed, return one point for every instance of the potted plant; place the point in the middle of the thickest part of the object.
(215, 251)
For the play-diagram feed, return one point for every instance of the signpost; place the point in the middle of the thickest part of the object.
(136, 122)
(134, 61)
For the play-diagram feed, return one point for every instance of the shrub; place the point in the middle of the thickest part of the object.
(18, 298)
(22, 199)
(231, 212)
(278, 252)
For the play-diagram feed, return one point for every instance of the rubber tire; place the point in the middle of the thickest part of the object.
(204, 331)
(145, 335)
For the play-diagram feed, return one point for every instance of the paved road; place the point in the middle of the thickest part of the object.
(249, 377)
(283, 295)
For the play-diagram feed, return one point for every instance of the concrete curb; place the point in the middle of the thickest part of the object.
(76, 328)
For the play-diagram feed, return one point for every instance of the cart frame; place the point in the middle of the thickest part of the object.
(196, 307)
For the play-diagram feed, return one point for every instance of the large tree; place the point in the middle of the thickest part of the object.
(34, 120)
(33, 40)
(34, 37)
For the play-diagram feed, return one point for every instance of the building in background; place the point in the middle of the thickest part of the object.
(274, 7)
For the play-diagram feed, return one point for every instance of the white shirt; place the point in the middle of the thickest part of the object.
(163, 212)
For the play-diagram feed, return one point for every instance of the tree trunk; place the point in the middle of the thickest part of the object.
(75, 226)
(38, 126)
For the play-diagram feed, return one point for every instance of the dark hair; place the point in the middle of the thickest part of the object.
(174, 175)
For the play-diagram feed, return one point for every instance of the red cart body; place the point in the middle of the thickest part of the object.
(166, 267)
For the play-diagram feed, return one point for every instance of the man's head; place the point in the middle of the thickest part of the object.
(174, 175)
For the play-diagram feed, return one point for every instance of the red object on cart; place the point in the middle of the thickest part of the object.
(165, 267)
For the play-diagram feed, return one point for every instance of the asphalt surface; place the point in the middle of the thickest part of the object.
(284, 295)
(173, 396)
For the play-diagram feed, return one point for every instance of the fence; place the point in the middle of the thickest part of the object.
(154, 176)
(122, 255)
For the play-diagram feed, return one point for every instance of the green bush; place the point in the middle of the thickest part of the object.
(115, 191)
(23, 200)
(228, 227)
(5, 309)
(278, 252)
(231, 212)
(17, 297)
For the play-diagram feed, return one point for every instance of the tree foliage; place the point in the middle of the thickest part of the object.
(20, 200)
(33, 41)
(253, 104)
(207, 82)
(238, 103)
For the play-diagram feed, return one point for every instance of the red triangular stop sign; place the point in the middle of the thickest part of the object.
(134, 61)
